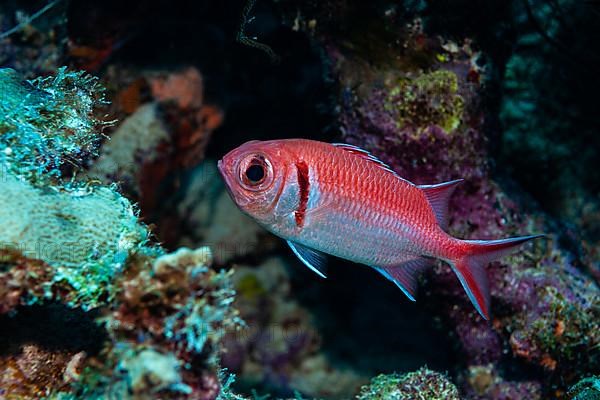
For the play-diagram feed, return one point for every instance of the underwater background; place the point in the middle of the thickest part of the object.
(128, 273)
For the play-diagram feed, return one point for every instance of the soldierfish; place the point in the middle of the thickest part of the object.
(339, 199)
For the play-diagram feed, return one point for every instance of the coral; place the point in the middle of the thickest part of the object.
(137, 137)
(184, 88)
(80, 245)
(586, 389)
(34, 372)
(164, 329)
(563, 329)
(138, 322)
(486, 382)
(165, 132)
(422, 384)
(84, 235)
(47, 122)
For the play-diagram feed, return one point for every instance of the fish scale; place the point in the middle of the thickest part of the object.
(340, 200)
(392, 201)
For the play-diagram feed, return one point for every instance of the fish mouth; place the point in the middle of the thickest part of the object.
(223, 172)
(226, 178)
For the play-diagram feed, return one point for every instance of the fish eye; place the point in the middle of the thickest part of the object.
(255, 173)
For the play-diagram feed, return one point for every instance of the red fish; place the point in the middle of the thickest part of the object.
(338, 199)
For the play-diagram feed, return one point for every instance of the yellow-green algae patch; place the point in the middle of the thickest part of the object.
(427, 99)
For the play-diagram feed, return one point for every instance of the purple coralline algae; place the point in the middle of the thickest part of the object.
(421, 113)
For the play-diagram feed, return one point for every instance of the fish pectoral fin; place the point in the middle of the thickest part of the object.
(313, 259)
(405, 275)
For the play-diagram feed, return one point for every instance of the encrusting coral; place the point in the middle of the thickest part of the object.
(84, 234)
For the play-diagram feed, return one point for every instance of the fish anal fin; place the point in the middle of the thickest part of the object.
(313, 259)
(438, 196)
(405, 275)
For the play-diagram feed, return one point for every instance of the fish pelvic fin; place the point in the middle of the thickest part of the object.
(438, 196)
(470, 267)
(405, 275)
(313, 259)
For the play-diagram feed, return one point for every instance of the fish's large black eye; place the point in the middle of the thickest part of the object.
(255, 173)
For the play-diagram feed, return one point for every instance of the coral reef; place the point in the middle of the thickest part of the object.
(422, 384)
(84, 236)
(82, 232)
(164, 331)
(80, 245)
(92, 308)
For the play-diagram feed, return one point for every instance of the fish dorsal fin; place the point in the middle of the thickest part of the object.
(365, 155)
(313, 259)
(405, 275)
(438, 196)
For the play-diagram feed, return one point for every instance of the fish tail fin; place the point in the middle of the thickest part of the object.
(470, 267)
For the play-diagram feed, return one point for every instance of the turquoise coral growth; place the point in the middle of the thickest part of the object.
(47, 122)
(423, 384)
(586, 389)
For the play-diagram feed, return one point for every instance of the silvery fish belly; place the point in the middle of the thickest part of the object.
(338, 199)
